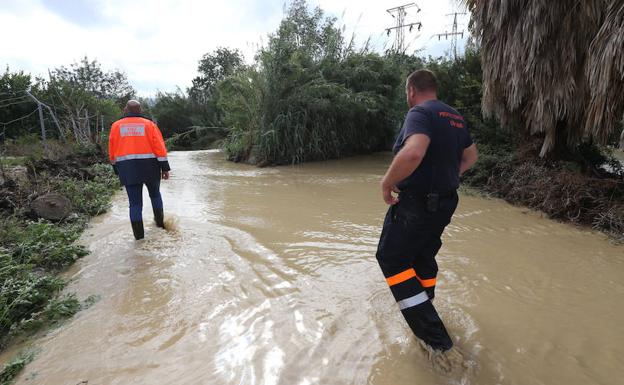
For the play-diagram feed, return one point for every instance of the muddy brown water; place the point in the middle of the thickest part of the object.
(271, 279)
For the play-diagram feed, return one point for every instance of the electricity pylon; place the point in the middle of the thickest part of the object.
(453, 35)
(399, 13)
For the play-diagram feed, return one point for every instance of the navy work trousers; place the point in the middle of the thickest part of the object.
(406, 253)
(135, 196)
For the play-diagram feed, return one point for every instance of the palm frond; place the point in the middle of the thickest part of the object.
(555, 67)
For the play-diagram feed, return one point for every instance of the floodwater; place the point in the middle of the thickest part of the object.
(271, 278)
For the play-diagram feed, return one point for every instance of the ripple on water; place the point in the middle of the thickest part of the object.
(272, 279)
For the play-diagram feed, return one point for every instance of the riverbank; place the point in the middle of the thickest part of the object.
(587, 195)
(68, 190)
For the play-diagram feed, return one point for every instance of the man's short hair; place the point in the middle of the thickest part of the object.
(133, 106)
(423, 81)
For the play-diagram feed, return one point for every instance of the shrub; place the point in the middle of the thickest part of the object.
(310, 96)
(13, 368)
(41, 244)
(90, 197)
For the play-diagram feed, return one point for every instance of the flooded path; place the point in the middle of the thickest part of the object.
(271, 279)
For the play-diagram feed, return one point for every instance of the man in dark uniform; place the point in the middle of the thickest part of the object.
(432, 150)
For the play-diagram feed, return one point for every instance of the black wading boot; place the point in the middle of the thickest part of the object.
(159, 218)
(137, 229)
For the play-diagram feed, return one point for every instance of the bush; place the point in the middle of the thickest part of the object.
(41, 244)
(29, 258)
(90, 197)
(23, 296)
(33, 252)
(56, 310)
(309, 97)
(13, 368)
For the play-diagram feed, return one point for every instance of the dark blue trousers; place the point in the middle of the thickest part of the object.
(135, 196)
(408, 245)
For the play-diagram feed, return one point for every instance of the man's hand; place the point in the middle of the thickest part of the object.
(165, 175)
(469, 158)
(387, 190)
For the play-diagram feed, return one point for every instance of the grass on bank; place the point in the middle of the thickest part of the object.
(13, 368)
(34, 251)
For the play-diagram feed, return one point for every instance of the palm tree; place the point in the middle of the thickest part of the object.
(555, 67)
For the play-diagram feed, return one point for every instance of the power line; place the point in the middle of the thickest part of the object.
(24, 100)
(399, 14)
(11, 99)
(40, 106)
(453, 34)
(12, 92)
(18, 119)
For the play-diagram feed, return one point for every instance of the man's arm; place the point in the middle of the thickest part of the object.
(112, 147)
(158, 147)
(469, 158)
(404, 164)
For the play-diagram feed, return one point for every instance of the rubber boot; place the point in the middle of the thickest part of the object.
(159, 218)
(137, 229)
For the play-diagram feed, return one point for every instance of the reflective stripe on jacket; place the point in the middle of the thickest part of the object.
(137, 150)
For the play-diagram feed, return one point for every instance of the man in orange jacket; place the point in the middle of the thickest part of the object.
(137, 151)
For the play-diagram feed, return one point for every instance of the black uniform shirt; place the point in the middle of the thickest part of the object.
(449, 135)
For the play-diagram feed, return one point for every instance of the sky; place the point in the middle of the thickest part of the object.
(158, 43)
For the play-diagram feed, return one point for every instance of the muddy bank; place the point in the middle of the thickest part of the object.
(21, 184)
(573, 190)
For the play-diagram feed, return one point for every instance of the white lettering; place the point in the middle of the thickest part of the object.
(132, 130)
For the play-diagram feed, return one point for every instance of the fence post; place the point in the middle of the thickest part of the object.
(41, 122)
(88, 125)
(43, 132)
(58, 126)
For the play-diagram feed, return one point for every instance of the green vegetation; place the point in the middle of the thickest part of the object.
(39, 244)
(80, 101)
(90, 196)
(83, 101)
(193, 120)
(310, 96)
(13, 368)
(33, 252)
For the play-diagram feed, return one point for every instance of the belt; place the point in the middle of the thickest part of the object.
(422, 195)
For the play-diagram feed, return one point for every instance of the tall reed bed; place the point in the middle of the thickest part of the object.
(309, 96)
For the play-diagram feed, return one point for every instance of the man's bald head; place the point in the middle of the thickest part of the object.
(133, 107)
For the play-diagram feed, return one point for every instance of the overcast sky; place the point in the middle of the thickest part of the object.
(158, 43)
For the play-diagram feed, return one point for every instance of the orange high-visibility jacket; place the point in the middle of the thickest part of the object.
(137, 150)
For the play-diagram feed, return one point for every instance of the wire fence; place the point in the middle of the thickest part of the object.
(20, 118)
(79, 123)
